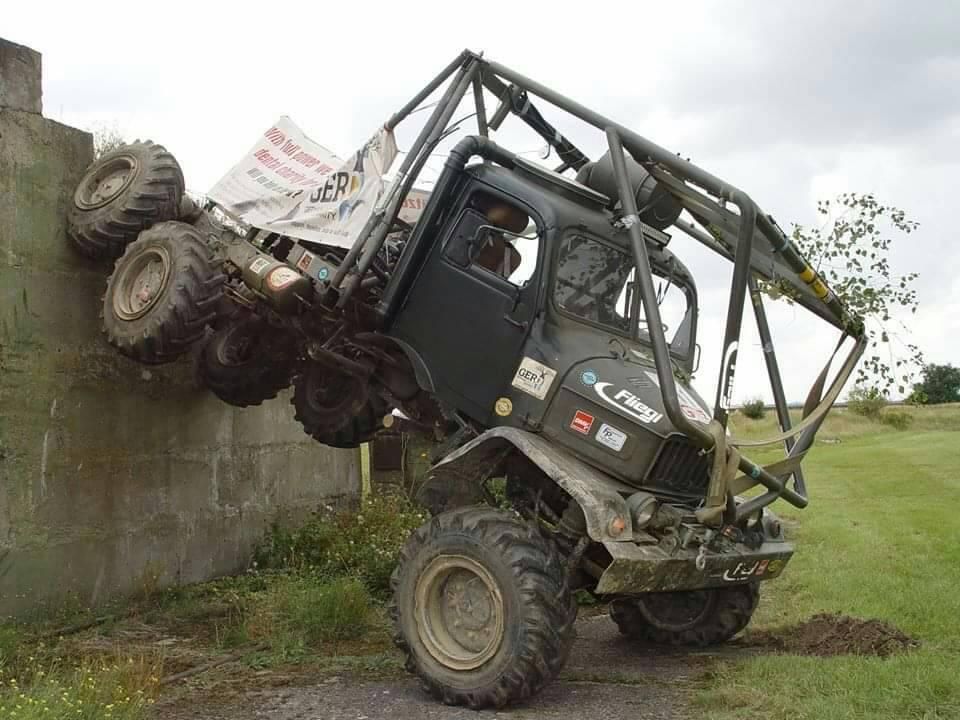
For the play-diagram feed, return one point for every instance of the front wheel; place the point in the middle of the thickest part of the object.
(481, 607)
(696, 618)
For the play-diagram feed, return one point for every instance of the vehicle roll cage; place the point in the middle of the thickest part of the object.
(749, 238)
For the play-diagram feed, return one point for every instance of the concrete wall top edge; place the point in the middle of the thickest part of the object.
(20, 78)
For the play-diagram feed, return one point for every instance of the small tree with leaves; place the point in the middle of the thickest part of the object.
(851, 251)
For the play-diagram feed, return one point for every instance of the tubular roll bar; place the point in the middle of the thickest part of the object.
(473, 71)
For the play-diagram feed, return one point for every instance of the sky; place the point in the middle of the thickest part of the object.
(792, 102)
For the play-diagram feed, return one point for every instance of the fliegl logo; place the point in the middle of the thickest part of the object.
(627, 402)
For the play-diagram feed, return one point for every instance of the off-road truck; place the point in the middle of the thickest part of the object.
(522, 321)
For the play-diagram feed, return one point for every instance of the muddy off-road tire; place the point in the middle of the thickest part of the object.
(693, 618)
(361, 428)
(246, 362)
(326, 401)
(122, 193)
(481, 608)
(162, 294)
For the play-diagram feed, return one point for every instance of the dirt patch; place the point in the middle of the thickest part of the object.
(827, 635)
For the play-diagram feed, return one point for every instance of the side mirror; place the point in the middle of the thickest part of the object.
(461, 247)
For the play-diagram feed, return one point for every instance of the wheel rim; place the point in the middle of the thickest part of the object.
(459, 612)
(676, 611)
(141, 283)
(103, 183)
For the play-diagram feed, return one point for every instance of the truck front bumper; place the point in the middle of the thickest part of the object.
(649, 568)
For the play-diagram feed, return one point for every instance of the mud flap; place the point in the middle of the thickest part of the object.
(457, 479)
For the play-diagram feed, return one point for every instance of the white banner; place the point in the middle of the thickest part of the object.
(291, 185)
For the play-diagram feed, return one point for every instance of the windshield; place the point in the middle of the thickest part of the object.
(596, 282)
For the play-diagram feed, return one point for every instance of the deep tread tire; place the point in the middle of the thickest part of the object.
(539, 610)
(152, 195)
(326, 401)
(248, 376)
(184, 306)
(363, 427)
(730, 611)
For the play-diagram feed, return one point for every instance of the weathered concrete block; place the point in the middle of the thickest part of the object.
(115, 476)
(20, 73)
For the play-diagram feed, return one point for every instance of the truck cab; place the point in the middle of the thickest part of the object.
(521, 307)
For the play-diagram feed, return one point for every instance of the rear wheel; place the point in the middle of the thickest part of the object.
(246, 362)
(690, 617)
(481, 608)
(122, 193)
(162, 294)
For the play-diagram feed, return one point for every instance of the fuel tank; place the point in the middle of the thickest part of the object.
(610, 413)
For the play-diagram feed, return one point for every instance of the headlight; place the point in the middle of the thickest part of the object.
(642, 507)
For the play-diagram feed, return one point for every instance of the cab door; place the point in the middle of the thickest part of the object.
(469, 311)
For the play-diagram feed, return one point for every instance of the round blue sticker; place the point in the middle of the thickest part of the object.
(589, 377)
(322, 273)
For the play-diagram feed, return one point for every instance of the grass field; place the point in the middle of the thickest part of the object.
(881, 539)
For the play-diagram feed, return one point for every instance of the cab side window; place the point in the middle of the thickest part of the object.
(497, 237)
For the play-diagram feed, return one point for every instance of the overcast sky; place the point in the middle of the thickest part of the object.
(792, 102)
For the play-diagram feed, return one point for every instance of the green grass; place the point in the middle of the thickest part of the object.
(309, 603)
(881, 539)
(121, 689)
(842, 423)
(297, 615)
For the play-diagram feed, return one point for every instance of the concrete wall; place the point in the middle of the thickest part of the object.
(20, 78)
(114, 476)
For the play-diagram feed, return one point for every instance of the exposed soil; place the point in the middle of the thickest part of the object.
(830, 634)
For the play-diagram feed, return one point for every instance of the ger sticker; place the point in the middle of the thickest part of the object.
(533, 378)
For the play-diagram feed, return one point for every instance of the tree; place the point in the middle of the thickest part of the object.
(106, 140)
(851, 251)
(941, 384)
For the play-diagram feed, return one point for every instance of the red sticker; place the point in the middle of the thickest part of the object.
(582, 422)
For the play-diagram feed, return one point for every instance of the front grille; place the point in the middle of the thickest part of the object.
(680, 469)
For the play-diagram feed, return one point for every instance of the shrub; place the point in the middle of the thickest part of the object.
(362, 544)
(896, 419)
(867, 402)
(754, 408)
